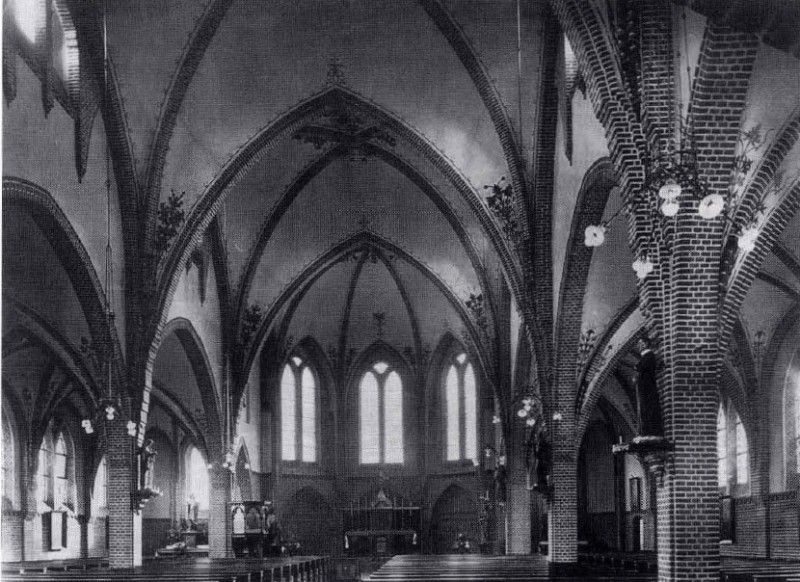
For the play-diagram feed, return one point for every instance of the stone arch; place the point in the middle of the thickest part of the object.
(591, 202)
(307, 174)
(491, 99)
(293, 292)
(328, 390)
(242, 488)
(198, 358)
(594, 390)
(453, 512)
(35, 330)
(201, 37)
(596, 491)
(208, 205)
(438, 366)
(301, 522)
(379, 350)
(42, 207)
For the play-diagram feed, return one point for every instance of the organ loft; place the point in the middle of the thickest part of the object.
(401, 290)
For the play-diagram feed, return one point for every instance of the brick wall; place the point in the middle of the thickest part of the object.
(11, 532)
(784, 525)
(97, 533)
(750, 533)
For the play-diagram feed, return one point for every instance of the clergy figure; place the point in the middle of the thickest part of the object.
(650, 422)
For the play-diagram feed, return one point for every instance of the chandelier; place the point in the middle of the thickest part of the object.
(672, 181)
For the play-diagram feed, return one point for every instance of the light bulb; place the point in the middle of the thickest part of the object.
(670, 208)
(747, 240)
(711, 206)
(670, 190)
(594, 235)
(110, 412)
(643, 267)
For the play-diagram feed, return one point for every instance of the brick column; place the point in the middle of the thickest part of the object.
(219, 531)
(563, 516)
(83, 523)
(125, 550)
(518, 513)
(688, 495)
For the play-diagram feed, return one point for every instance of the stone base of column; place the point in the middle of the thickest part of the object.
(219, 530)
(518, 517)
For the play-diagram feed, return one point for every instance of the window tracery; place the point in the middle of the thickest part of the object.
(298, 412)
(381, 415)
(461, 409)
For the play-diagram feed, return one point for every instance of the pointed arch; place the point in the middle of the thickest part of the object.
(242, 486)
(301, 521)
(210, 202)
(196, 353)
(294, 291)
(454, 395)
(40, 205)
(453, 512)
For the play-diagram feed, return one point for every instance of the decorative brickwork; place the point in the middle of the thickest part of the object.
(563, 515)
(120, 466)
(179, 84)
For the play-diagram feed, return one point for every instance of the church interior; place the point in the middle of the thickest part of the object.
(408, 289)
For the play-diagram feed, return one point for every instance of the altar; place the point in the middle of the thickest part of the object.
(382, 526)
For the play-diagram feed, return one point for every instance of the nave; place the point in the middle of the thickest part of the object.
(390, 280)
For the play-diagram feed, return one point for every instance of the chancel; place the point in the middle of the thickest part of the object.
(401, 290)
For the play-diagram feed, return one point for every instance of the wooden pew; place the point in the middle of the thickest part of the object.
(296, 569)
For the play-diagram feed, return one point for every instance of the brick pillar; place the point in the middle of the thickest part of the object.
(518, 513)
(688, 495)
(219, 534)
(83, 523)
(563, 516)
(124, 551)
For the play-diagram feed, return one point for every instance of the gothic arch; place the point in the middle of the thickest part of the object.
(208, 205)
(303, 282)
(198, 358)
(241, 478)
(42, 207)
(453, 512)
